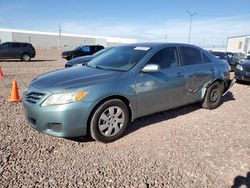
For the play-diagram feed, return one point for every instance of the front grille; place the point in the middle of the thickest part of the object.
(34, 97)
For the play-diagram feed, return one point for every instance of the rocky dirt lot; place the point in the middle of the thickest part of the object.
(184, 147)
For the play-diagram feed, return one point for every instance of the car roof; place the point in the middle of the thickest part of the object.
(218, 52)
(15, 43)
(89, 45)
(160, 44)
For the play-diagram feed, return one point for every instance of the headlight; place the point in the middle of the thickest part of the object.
(64, 98)
(239, 67)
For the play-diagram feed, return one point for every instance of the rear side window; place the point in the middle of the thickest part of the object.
(15, 45)
(24, 45)
(97, 48)
(166, 58)
(191, 56)
(206, 58)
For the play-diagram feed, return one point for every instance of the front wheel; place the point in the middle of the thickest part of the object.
(109, 121)
(213, 96)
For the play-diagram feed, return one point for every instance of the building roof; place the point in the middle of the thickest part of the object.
(109, 39)
(247, 36)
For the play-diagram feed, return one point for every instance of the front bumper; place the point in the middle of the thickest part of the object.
(68, 120)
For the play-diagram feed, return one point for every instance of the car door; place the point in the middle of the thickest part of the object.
(86, 50)
(199, 71)
(4, 50)
(14, 50)
(158, 91)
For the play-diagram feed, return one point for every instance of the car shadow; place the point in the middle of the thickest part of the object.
(157, 118)
(228, 97)
(161, 116)
(241, 181)
(81, 139)
(36, 60)
(243, 83)
(170, 114)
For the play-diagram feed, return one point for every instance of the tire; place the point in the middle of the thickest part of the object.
(26, 57)
(105, 127)
(213, 96)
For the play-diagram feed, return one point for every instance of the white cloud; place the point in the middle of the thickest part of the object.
(205, 32)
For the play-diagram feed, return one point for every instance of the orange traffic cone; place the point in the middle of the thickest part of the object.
(14, 93)
(1, 73)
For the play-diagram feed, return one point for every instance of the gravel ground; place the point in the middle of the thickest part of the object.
(184, 147)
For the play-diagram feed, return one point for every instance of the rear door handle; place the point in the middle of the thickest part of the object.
(212, 69)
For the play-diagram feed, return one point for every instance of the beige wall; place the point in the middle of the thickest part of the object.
(5, 36)
(236, 44)
(51, 41)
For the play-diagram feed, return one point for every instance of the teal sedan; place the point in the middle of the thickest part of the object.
(102, 97)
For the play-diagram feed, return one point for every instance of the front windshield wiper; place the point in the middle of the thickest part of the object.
(95, 67)
(98, 67)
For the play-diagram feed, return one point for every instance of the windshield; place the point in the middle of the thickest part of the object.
(101, 52)
(119, 58)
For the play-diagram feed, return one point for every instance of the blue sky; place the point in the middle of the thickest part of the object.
(143, 20)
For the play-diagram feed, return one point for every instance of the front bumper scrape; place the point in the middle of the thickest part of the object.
(227, 86)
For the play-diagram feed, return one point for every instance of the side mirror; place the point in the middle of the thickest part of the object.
(151, 68)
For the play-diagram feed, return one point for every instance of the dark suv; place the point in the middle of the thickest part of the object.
(228, 57)
(17, 50)
(82, 51)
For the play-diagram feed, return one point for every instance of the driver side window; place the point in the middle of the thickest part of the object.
(86, 49)
(166, 58)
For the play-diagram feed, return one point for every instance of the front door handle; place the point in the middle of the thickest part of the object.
(212, 69)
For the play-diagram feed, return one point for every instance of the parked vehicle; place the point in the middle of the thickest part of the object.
(17, 50)
(82, 51)
(247, 56)
(124, 83)
(84, 59)
(240, 56)
(226, 56)
(242, 71)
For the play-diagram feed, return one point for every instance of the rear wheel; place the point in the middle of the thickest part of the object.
(109, 121)
(213, 96)
(26, 57)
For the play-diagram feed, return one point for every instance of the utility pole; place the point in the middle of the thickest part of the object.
(59, 36)
(166, 37)
(190, 26)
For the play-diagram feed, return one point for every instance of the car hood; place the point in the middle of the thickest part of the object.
(79, 60)
(75, 77)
